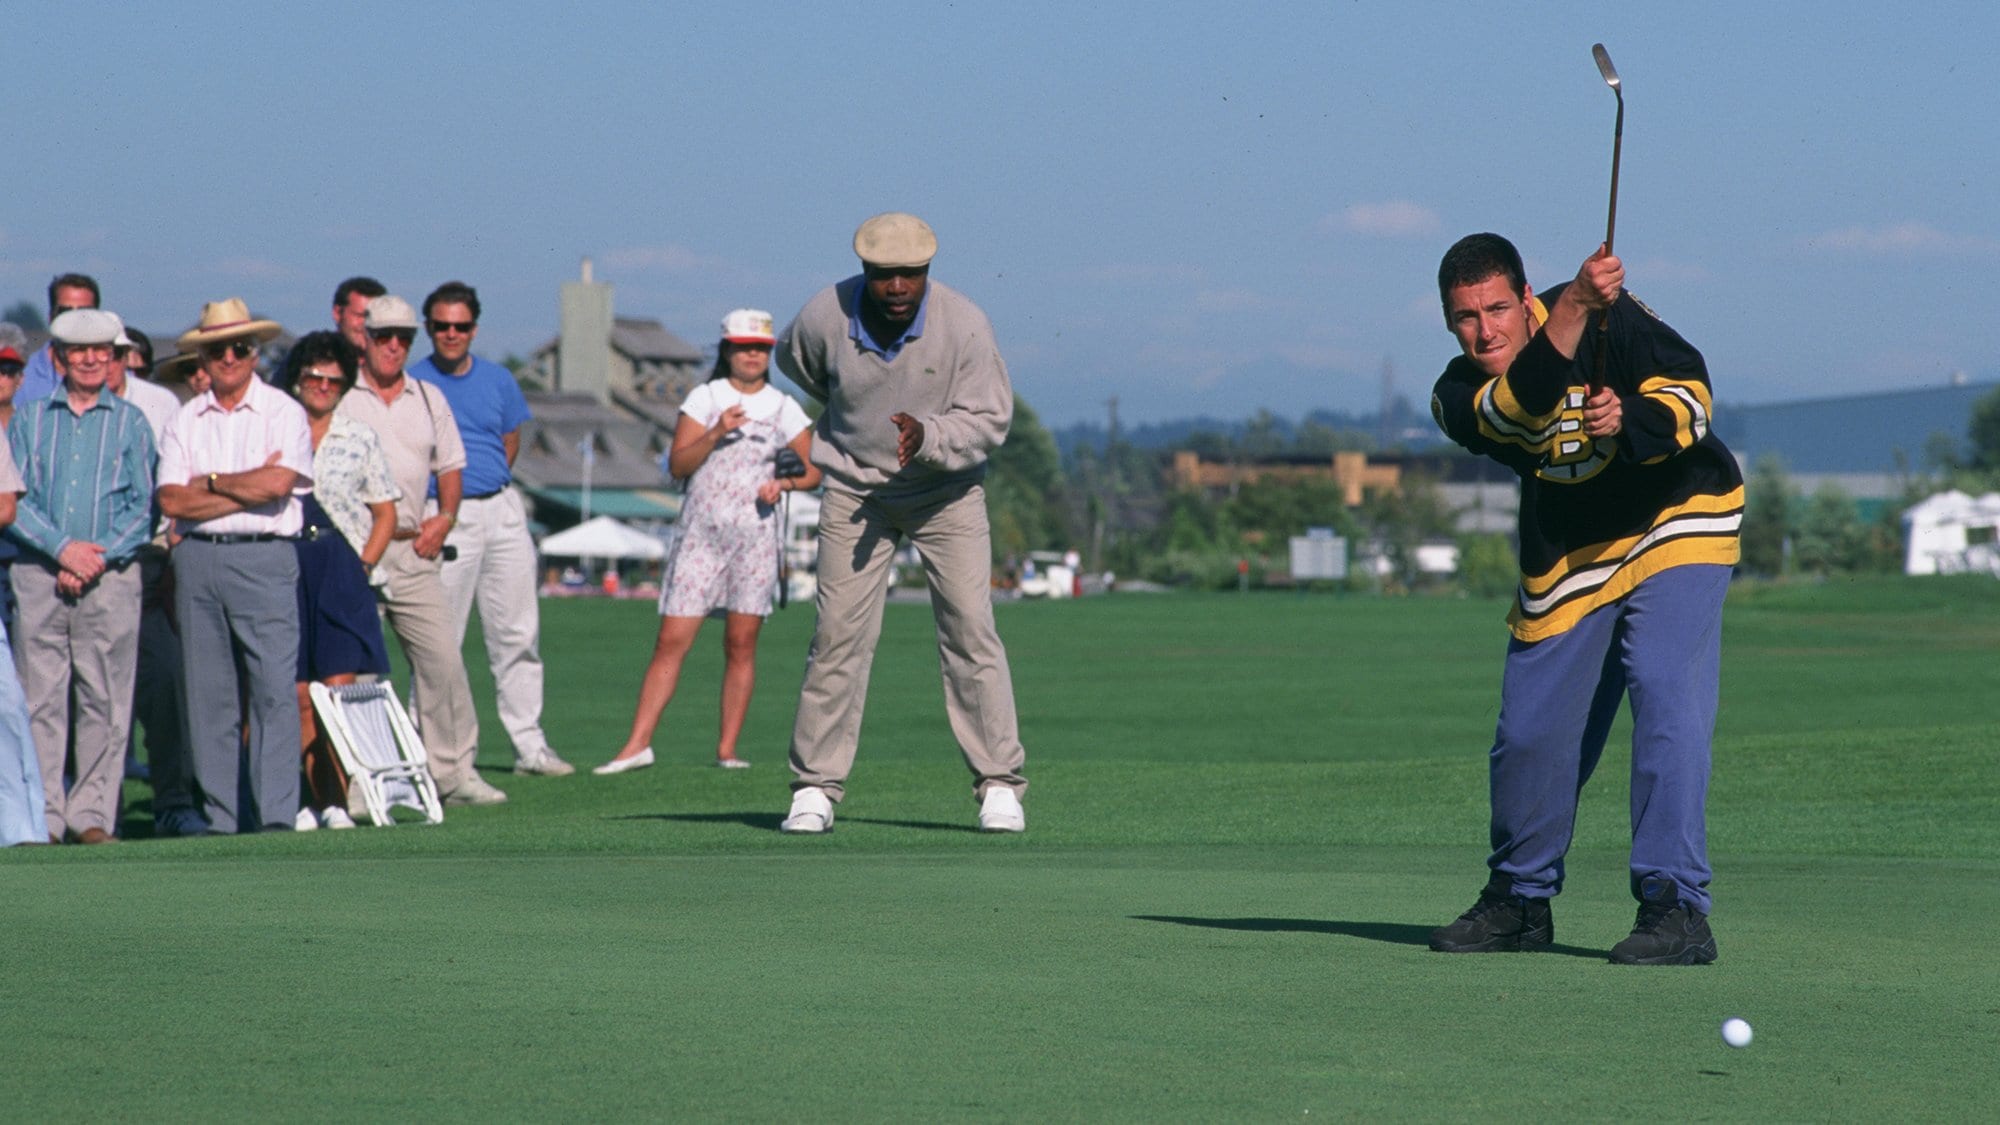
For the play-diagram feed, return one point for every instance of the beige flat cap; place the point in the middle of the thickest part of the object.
(895, 240)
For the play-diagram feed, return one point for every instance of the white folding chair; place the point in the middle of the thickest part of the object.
(379, 748)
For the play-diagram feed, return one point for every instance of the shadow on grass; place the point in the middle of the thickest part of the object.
(1395, 933)
(768, 821)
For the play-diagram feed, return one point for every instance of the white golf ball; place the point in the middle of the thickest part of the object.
(1736, 1032)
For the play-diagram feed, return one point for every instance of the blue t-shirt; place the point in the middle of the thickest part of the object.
(39, 379)
(488, 405)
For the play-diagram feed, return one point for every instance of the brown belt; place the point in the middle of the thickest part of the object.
(401, 535)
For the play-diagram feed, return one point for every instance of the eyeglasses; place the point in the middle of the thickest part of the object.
(463, 327)
(61, 309)
(336, 382)
(80, 351)
(10, 371)
(402, 336)
(235, 349)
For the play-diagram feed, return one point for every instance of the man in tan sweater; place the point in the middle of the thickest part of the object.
(916, 398)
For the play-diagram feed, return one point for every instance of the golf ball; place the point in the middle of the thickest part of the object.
(1736, 1032)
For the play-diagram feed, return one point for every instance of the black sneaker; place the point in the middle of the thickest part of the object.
(1500, 922)
(1667, 933)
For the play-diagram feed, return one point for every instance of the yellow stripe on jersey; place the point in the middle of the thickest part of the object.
(1502, 420)
(1688, 401)
(1702, 530)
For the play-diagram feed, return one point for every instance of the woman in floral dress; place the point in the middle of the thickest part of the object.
(725, 555)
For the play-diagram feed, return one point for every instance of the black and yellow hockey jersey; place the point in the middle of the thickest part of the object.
(1599, 517)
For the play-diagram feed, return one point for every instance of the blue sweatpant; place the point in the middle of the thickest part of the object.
(1662, 644)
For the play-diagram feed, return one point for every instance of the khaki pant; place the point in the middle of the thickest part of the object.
(858, 536)
(77, 658)
(414, 602)
(496, 568)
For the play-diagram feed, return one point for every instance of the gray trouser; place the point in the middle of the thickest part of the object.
(415, 605)
(77, 658)
(858, 536)
(238, 608)
(156, 702)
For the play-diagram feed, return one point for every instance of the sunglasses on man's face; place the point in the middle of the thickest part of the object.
(235, 349)
(463, 327)
(402, 336)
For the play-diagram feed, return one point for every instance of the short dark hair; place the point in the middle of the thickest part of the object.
(143, 344)
(453, 293)
(74, 281)
(1475, 258)
(366, 286)
(317, 347)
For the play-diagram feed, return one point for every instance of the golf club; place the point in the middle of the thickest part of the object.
(1610, 74)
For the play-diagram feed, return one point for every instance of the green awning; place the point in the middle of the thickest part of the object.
(618, 503)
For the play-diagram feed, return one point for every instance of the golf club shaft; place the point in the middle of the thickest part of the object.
(1610, 232)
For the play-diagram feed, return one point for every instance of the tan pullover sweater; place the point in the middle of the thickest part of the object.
(951, 379)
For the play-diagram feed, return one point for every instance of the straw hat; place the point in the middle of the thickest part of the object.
(227, 320)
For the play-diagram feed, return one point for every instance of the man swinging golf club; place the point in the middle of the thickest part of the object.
(1630, 508)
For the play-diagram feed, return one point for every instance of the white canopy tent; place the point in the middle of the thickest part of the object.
(602, 538)
(1953, 533)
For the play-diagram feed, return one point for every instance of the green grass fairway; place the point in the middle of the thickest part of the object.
(1246, 815)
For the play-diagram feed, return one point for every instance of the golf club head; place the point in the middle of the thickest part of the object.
(1604, 66)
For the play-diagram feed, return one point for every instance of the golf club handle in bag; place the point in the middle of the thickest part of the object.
(786, 464)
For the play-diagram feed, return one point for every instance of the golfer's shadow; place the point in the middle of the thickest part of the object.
(769, 821)
(1394, 933)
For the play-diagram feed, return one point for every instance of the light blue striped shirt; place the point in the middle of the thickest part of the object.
(89, 477)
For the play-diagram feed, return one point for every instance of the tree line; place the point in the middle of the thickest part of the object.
(1117, 504)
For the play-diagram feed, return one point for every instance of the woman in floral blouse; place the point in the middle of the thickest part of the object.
(350, 516)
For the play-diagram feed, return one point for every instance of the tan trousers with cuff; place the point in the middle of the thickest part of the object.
(858, 537)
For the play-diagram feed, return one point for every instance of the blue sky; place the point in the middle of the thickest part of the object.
(1195, 208)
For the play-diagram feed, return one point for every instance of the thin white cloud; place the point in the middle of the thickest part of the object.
(1394, 218)
(669, 258)
(1905, 238)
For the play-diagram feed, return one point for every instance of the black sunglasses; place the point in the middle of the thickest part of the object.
(463, 327)
(240, 349)
(384, 335)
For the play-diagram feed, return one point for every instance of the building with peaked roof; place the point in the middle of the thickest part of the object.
(580, 458)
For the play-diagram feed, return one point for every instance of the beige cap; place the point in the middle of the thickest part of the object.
(86, 326)
(390, 312)
(896, 240)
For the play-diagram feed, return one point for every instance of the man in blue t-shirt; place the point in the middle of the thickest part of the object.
(495, 561)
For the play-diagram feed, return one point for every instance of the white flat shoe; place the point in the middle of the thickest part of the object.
(732, 763)
(637, 761)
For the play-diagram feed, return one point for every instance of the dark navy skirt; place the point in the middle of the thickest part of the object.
(339, 631)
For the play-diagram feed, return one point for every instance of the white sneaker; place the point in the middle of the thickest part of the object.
(732, 763)
(811, 813)
(305, 821)
(637, 761)
(545, 763)
(474, 791)
(334, 816)
(1000, 811)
